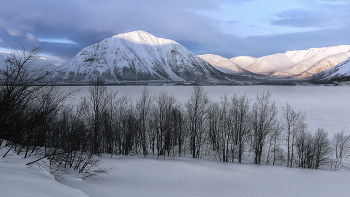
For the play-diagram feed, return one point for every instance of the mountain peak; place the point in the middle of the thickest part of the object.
(142, 37)
(134, 56)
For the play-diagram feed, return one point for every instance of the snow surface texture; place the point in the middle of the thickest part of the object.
(18, 179)
(299, 63)
(134, 56)
(137, 176)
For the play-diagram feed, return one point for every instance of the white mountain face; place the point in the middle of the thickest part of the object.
(135, 56)
(339, 71)
(222, 64)
(296, 64)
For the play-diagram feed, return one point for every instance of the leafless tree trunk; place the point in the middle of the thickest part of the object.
(196, 112)
(341, 147)
(143, 107)
(263, 122)
(240, 112)
(97, 99)
(322, 148)
(294, 123)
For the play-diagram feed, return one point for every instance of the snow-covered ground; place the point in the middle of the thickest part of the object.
(138, 176)
(19, 180)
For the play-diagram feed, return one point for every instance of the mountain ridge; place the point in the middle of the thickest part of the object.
(134, 56)
(291, 64)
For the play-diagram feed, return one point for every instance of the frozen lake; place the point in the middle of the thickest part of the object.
(325, 106)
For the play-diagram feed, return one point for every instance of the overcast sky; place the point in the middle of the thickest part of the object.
(224, 27)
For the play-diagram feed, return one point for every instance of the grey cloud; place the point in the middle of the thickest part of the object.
(88, 22)
(330, 16)
(307, 21)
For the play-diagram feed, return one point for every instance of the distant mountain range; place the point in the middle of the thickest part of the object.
(141, 57)
(292, 64)
(39, 66)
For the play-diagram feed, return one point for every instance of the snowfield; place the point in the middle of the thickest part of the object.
(18, 179)
(138, 176)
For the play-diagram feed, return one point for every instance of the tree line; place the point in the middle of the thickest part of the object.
(35, 119)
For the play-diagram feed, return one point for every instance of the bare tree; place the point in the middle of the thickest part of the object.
(213, 122)
(17, 92)
(322, 148)
(275, 138)
(143, 107)
(240, 112)
(263, 122)
(304, 149)
(294, 123)
(196, 112)
(97, 99)
(341, 147)
(162, 122)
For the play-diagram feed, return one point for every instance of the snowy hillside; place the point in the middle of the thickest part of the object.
(324, 64)
(135, 56)
(222, 64)
(341, 70)
(138, 176)
(299, 63)
(19, 179)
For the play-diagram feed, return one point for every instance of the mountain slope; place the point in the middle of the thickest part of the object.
(342, 70)
(324, 64)
(296, 64)
(136, 56)
(222, 64)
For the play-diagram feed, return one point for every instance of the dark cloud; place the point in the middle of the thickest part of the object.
(86, 22)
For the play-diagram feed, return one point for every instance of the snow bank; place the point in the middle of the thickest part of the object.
(137, 176)
(18, 179)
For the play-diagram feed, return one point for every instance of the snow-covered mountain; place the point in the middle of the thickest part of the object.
(222, 64)
(339, 71)
(37, 67)
(135, 56)
(298, 64)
